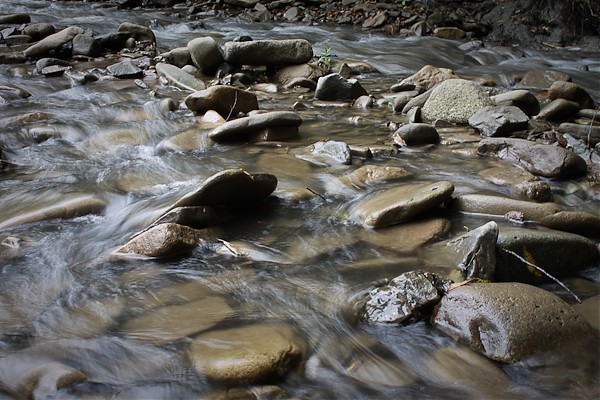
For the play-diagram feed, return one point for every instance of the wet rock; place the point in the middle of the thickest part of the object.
(205, 53)
(449, 32)
(125, 70)
(15, 19)
(477, 252)
(179, 78)
(558, 253)
(505, 321)
(113, 41)
(47, 379)
(571, 91)
(335, 87)
(178, 57)
(399, 204)
(47, 61)
(579, 222)
(268, 52)
(171, 323)
(559, 110)
(230, 188)
(542, 79)
(39, 31)
(377, 21)
(521, 98)
(455, 100)
(86, 45)
(589, 133)
(498, 205)
(286, 75)
(539, 159)
(364, 102)
(195, 138)
(275, 125)
(495, 121)
(407, 297)
(429, 76)
(163, 240)
(226, 100)
(401, 101)
(16, 57)
(195, 217)
(15, 40)
(329, 152)
(50, 43)
(416, 134)
(373, 174)
(139, 32)
(416, 102)
(254, 252)
(522, 182)
(408, 236)
(590, 311)
(248, 354)
(54, 71)
(74, 206)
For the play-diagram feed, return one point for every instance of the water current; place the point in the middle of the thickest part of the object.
(64, 298)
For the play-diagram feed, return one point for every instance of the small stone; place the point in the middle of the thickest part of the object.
(559, 110)
(125, 70)
(542, 79)
(449, 32)
(416, 134)
(429, 76)
(377, 21)
(373, 174)
(331, 152)
(477, 252)
(523, 99)
(571, 91)
(244, 128)
(334, 87)
(179, 78)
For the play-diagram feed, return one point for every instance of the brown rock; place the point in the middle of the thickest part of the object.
(163, 240)
(428, 76)
(226, 100)
(571, 91)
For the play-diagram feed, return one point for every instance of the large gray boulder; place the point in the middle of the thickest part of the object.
(50, 43)
(268, 52)
(226, 100)
(455, 100)
(495, 121)
(539, 159)
(205, 54)
(508, 322)
(259, 126)
(335, 87)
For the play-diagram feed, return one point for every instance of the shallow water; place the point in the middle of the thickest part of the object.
(64, 298)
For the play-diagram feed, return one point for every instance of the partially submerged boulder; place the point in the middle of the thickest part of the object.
(226, 100)
(263, 126)
(477, 252)
(163, 240)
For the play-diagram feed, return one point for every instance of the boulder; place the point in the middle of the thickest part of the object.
(500, 206)
(179, 78)
(335, 87)
(542, 79)
(247, 354)
(416, 134)
(428, 76)
(50, 43)
(571, 91)
(179, 57)
(455, 100)
(39, 31)
(505, 321)
(521, 98)
(138, 32)
(205, 54)
(226, 100)
(373, 174)
(402, 203)
(125, 70)
(560, 254)
(268, 52)
(539, 159)
(492, 121)
(559, 110)
(477, 252)
(196, 217)
(589, 134)
(579, 222)
(86, 45)
(523, 183)
(263, 126)
(164, 240)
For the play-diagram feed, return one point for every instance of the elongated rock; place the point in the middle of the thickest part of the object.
(268, 52)
(226, 100)
(163, 240)
(243, 128)
(500, 206)
(179, 78)
(49, 43)
(477, 250)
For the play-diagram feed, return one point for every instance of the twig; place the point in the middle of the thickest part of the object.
(229, 247)
(316, 193)
(232, 107)
(542, 271)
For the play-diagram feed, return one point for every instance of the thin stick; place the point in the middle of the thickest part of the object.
(229, 247)
(233, 106)
(542, 271)
(316, 193)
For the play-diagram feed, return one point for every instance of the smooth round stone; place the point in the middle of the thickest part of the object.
(373, 174)
(243, 128)
(416, 134)
(521, 98)
(205, 53)
(559, 110)
(163, 240)
(579, 222)
(179, 78)
(248, 354)
(497, 205)
(399, 204)
(226, 100)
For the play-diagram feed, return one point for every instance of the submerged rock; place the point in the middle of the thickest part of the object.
(275, 125)
(226, 100)
(477, 252)
(508, 322)
(524, 183)
(455, 100)
(373, 174)
(163, 240)
(268, 52)
(406, 237)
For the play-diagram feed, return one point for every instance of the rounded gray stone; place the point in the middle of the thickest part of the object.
(416, 134)
(455, 100)
(205, 53)
(243, 128)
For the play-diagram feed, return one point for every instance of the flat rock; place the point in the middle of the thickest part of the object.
(15, 19)
(560, 254)
(268, 52)
(449, 32)
(399, 204)
(493, 121)
(477, 252)
(205, 53)
(559, 110)
(539, 159)
(416, 134)
(179, 78)
(49, 43)
(408, 236)
(455, 100)
(505, 321)
(125, 70)
(244, 128)
(579, 222)
(334, 87)
(523, 183)
(163, 240)
(226, 100)
(428, 76)
(571, 91)
(500, 206)
(373, 174)
(328, 152)
(249, 354)
(521, 98)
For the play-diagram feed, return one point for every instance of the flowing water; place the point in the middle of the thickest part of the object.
(64, 298)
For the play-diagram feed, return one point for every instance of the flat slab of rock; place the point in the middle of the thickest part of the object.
(49, 43)
(244, 128)
(250, 354)
(539, 159)
(179, 78)
(226, 100)
(268, 52)
(408, 236)
(505, 321)
(125, 70)
(501, 206)
(455, 100)
(493, 121)
(399, 204)
(163, 240)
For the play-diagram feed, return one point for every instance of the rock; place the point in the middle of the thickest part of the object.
(505, 321)
(558, 253)
(579, 222)
(230, 188)
(197, 217)
(50, 43)
(477, 252)
(242, 3)
(54, 71)
(179, 78)
(522, 182)
(275, 125)
(455, 100)
(399, 204)
(15, 40)
(407, 297)
(291, 14)
(559, 110)
(46, 62)
(571, 91)
(163, 240)
(416, 134)
(542, 79)
(113, 41)
(45, 380)
(85, 45)
(402, 100)
(171, 323)
(205, 53)
(364, 102)
(74, 206)
(125, 70)
(16, 57)
(247, 354)
(521, 98)
(493, 121)
(330, 152)
(286, 75)
(373, 174)
(226, 100)
(39, 31)
(429, 76)
(9, 19)
(268, 52)
(590, 134)
(138, 32)
(449, 32)
(590, 311)
(539, 159)
(497, 205)
(416, 102)
(375, 22)
(179, 57)
(334, 87)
